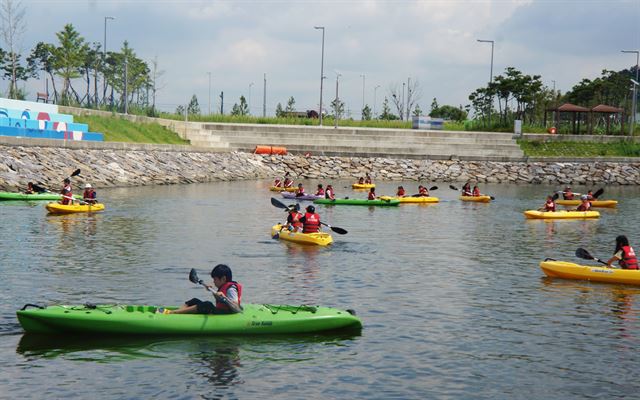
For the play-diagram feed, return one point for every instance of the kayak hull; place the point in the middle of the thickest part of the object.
(567, 270)
(358, 202)
(317, 239)
(282, 189)
(476, 199)
(292, 196)
(594, 203)
(363, 185)
(535, 214)
(412, 199)
(57, 208)
(31, 197)
(256, 319)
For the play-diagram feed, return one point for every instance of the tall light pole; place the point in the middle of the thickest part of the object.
(321, 71)
(408, 97)
(635, 92)
(264, 97)
(362, 90)
(104, 53)
(209, 73)
(251, 84)
(374, 101)
(490, 72)
(402, 103)
(337, 106)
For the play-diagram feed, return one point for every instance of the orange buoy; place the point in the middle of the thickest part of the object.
(552, 130)
(270, 150)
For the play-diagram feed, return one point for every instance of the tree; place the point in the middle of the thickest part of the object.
(12, 29)
(366, 113)
(41, 59)
(68, 57)
(155, 86)
(242, 109)
(449, 112)
(180, 110)
(434, 105)
(386, 111)
(291, 105)
(193, 108)
(417, 111)
(279, 111)
(412, 96)
(337, 106)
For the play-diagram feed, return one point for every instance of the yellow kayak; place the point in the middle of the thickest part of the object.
(535, 214)
(411, 199)
(57, 208)
(363, 185)
(282, 189)
(567, 270)
(594, 203)
(319, 239)
(477, 199)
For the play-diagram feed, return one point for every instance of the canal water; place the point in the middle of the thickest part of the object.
(453, 301)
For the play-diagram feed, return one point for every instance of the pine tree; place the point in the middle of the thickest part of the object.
(279, 111)
(193, 107)
(417, 111)
(386, 111)
(366, 113)
(291, 105)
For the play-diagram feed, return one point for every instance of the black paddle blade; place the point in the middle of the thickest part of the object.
(339, 231)
(555, 196)
(193, 276)
(39, 189)
(453, 187)
(76, 172)
(492, 198)
(582, 253)
(277, 203)
(598, 193)
(433, 188)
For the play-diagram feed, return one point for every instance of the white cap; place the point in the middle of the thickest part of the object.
(584, 197)
(87, 186)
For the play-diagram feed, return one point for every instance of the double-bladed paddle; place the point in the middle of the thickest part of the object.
(582, 253)
(430, 189)
(456, 189)
(193, 277)
(279, 204)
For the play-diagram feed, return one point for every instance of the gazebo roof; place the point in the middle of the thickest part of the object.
(601, 108)
(568, 107)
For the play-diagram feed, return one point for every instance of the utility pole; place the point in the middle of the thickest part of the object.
(408, 97)
(264, 97)
(126, 82)
(374, 101)
(222, 103)
(321, 72)
(209, 73)
(251, 84)
(337, 107)
(634, 107)
(402, 103)
(362, 91)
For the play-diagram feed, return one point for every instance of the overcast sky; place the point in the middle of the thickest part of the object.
(433, 42)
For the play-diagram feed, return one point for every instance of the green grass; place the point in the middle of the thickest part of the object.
(117, 129)
(579, 149)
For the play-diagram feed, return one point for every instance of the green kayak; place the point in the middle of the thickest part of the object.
(256, 319)
(32, 197)
(358, 202)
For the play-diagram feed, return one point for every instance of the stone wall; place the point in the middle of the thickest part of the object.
(122, 167)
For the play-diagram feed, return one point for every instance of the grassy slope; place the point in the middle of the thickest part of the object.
(580, 149)
(116, 129)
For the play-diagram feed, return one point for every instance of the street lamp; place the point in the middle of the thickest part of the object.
(635, 91)
(209, 73)
(104, 53)
(374, 100)
(337, 105)
(362, 91)
(321, 72)
(490, 73)
(251, 84)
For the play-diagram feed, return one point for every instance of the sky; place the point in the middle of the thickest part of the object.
(433, 43)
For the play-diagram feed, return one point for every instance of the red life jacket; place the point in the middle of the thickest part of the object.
(300, 191)
(223, 306)
(367, 180)
(67, 195)
(295, 220)
(423, 191)
(311, 223)
(584, 206)
(476, 192)
(328, 194)
(629, 260)
(567, 196)
(89, 195)
(400, 193)
(372, 196)
(466, 191)
(550, 206)
(320, 192)
(277, 183)
(288, 182)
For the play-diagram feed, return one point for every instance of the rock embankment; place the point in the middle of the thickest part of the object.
(111, 167)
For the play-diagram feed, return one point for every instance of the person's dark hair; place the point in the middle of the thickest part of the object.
(67, 180)
(319, 185)
(221, 270)
(311, 209)
(372, 189)
(621, 241)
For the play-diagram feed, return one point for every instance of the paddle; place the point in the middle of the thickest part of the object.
(277, 203)
(430, 189)
(456, 189)
(193, 277)
(582, 253)
(598, 193)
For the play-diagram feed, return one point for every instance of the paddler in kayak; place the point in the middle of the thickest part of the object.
(590, 195)
(277, 183)
(422, 191)
(400, 192)
(287, 181)
(372, 194)
(367, 179)
(320, 190)
(549, 205)
(585, 205)
(329, 193)
(310, 221)
(89, 195)
(227, 297)
(293, 219)
(67, 195)
(361, 181)
(476, 191)
(30, 189)
(466, 190)
(300, 190)
(624, 254)
(567, 194)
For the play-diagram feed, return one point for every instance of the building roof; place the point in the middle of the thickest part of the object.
(601, 108)
(568, 107)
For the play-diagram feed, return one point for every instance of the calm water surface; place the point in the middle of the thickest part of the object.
(453, 302)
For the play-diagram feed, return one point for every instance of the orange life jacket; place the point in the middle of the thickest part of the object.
(629, 260)
(222, 305)
(311, 223)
